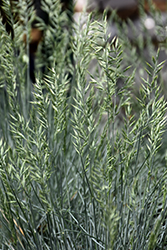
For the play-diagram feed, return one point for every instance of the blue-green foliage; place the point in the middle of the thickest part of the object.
(83, 168)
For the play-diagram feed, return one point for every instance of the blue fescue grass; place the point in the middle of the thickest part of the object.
(85, 171)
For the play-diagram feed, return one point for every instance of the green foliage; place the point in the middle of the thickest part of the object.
(80, 166)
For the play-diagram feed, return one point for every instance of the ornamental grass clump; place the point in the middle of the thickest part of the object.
(80, 166)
